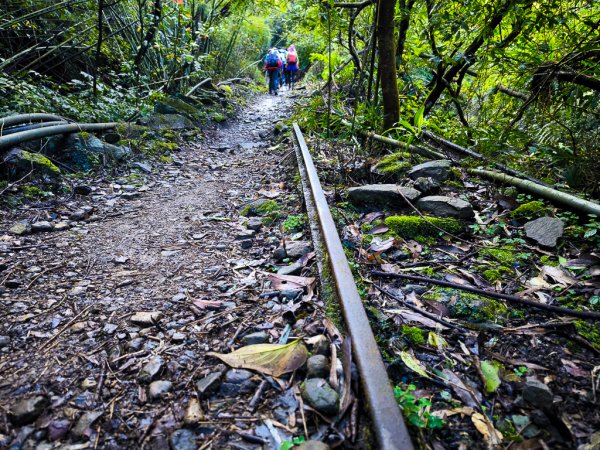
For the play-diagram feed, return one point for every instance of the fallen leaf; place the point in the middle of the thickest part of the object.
(415, 248)
(379, 229)
(370, 217)
(207, 304)
(378, 246)
(391, 268)
(270, 359)
(280, 282)
(411, 316)
(413, 364)
(491, 374)
(272, 193)
(492, 436)
(457, 280)
(466, 394)
(438, 308)
(437, 341)
(558, 275)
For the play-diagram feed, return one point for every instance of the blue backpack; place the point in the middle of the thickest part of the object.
(272, 60)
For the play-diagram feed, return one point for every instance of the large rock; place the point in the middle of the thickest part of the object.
(537, 393)
(168, 122)
(17, 163)
(442, 206)
(28, 409)
(172, 105)
(437, 170)
(545, 230)
(382, 195)
(81, 151)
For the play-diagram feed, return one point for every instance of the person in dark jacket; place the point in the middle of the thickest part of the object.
(273, 65)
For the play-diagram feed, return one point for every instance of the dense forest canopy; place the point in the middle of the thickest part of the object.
(516, 80)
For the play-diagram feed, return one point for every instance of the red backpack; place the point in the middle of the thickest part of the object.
(292, 58)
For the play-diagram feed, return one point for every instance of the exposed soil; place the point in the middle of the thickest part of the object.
(174, 245)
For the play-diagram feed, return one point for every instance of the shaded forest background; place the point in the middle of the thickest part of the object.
(518, 81)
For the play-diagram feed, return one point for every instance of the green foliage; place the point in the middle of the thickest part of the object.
(414, 335)
(504, 256)
(294, 223)
(530, 210)
(409, 227)
(416, 411)
(287, 445)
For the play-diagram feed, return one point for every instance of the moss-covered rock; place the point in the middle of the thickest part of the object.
(414, 335)
(395, 165)
(171, 105)
(409, 227)
(504, 256)
(530, 210)
(18, 163)
(260, 207)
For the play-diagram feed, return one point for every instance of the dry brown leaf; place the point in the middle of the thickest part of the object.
(411, 316)
(558, 275)
(379, 229)
(207, 304)
(492, 436)
(270, 359)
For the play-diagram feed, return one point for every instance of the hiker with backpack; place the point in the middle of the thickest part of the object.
(292, 63)
(273, 65)
(283, 56)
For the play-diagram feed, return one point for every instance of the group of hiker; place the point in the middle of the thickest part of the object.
(282, 68)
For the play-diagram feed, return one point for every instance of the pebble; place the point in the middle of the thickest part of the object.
(260, 337)
(247, 243)
(179, 297)
(78, 215)
(62, 226)
(537, 393)
(28, 409)
(193, 413)
(151, 369)
(12, 284)
(297, 249)
(178, 337)
(183, 440)
(292, 269)
(312, 445)
(19, 229)
(110, 328)
(317, 366)
(209, 384)
(318, 394)
(158, 389)
(321, 345)
(254, 224)
(146, 318)
(82, 189)
(4, 341)
(279, 254)
(42, 226)
(85, 422)
(237, 382)
(135, 344)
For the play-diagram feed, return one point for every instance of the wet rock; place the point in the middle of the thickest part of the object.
(312, 445)
(545, 230)
(183, 440)
(144, 167)
(4, 341)
(382, 195)
(254, 224)
(209, 384)
(146, 318)
(238, 382)
(28, 409)
(436, 170)
(317, 366)
(159, 389)
(20, 229)
(318, 394)
(297, 249)
(167, 122)
(537, 393)
(427, 185)
(82, 189)
(442, 206)
(258, 207)
(292, 269)
(151, 369)
(62, 226)
(260, 337)
(85, 422)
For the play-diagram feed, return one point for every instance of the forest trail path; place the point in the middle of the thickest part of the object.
(178, 239)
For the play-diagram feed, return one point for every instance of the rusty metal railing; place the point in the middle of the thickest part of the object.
(388, 425)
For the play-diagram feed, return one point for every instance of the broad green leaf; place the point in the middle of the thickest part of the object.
(437, 341)
(490, 370)
(270, 359)
(414, 364)
(419, 118)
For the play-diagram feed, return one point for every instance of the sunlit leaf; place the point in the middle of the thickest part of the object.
(491, 373)
(414, 364)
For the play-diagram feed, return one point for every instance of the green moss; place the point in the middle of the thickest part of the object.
(478, 309)
(409, 227)
(217, 117)
(504, 256)
(396, 163)
(159, 147)
(530, 210)
(42, 163)
(227, 90)
(590, 331)
(32, 192)
(454, 184)
(165, 159)
(169, 135)
(414, 335)
(260, 207)
(456, 173)
(547, 261)
(493, 275)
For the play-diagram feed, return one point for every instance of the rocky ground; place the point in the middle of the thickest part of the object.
(111, 300)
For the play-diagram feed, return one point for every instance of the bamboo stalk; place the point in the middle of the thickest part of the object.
(17, 138)
(18, 119)
(567, 200)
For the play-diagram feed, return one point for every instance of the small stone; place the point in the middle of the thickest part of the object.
(290, 294)
(193, 413)
(62, 226)
(88, 383)
(321, 345)
(144, 167)
(181, 297)
(238, 382)
(545, 230)
(178, 337)
(438, 170)
(243, 235)
(146, 318)
(41, 227)
(537, 393)
(82, 189)
(247, 243)
(19, 229)
(27, 410)
(297, 249)
(12, 284)
(78, 215)
(260, 337)
(151, 369)
(158, 389)
(442, 206)
(85, 422)
(183, 439)
(135, 344)
(317, 366)
(254, 224)
(110, 328)
(209, 384)
(58, 429)
(292, 269)
(318, 394)
(279, 254)
(4, 341)
(312, 445)
(427, 185)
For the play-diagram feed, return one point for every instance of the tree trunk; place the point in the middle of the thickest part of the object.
(387, 63)
(403, 25)
(150, 34)
(98, 47)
